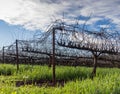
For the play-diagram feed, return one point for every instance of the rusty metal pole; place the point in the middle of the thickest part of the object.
(53, 58)
(3, 54)
(17, 58)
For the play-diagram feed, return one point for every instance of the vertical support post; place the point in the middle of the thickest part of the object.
(3, 55)
(53, 58)
(50, 58)
(17, 58)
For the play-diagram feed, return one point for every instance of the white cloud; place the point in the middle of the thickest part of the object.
(93, 20)
(37, 14)
(28, 13)
(104, 26)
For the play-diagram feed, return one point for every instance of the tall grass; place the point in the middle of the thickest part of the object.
(7, 69)
(107, 80)
(62, 73)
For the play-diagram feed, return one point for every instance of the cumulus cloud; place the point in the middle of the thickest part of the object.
(38, 14)
(32, 14)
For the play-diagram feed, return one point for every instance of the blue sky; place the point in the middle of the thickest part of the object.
(20, 19)
(9, 33)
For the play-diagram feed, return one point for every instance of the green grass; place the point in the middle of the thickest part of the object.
(107, 80)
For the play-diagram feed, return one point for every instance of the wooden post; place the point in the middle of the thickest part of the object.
(50, 58)
(17, 58)
(53, 56)
(3, 57)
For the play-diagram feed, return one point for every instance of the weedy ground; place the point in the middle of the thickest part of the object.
(76, 80)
